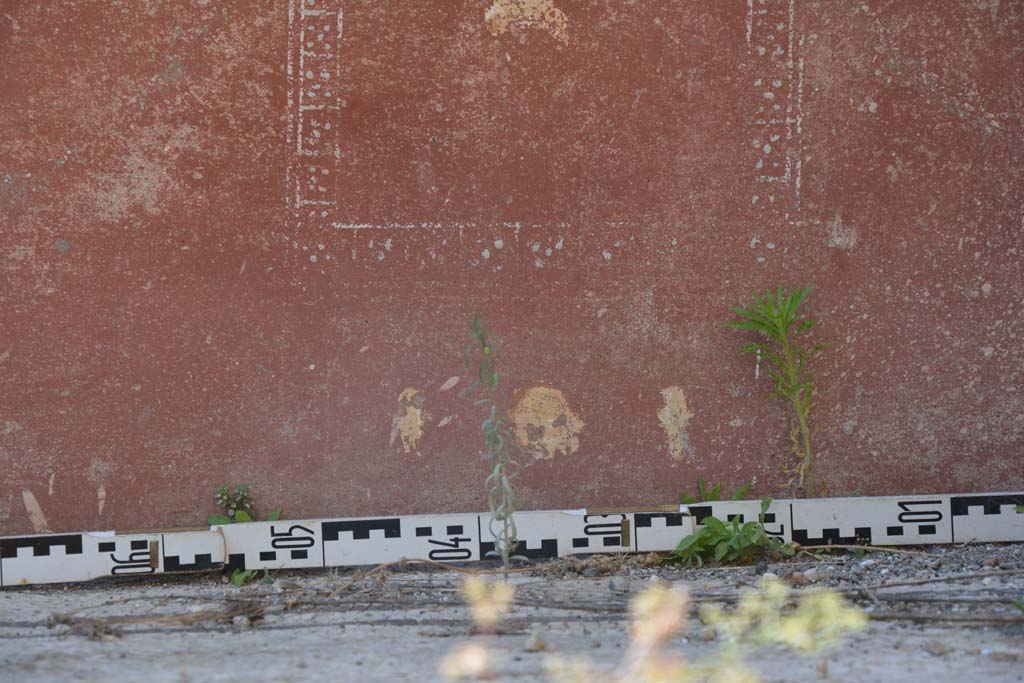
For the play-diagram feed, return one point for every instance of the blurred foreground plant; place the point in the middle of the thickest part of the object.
(762, 617)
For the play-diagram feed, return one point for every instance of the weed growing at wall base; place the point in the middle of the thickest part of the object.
(705, 494)
(501, 497)
(238, 506)
(777, 317)
(728, 542)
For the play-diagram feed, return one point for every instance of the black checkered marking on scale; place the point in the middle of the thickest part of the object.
(992, 505)
(861, 536)
(361, 528)
(643, 519)
(548, 549)
(41, 545)
(610, 532)
(909, 515)
(203, 561)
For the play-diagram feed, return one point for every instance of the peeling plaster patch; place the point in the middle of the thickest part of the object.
(868, 105)
(35, 513)
(544, 424)
(445, 421)
(148, 173)
(408, 420)
(99, 470)
(49, 490)
(101, 498)
(450, 383)
(504, 15)
(840, 235)
(674, 417)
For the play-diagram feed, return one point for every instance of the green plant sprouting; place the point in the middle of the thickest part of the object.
(706, 495)
(498, 439)
(238, 506)
(241, 577)
(728, 542)
(777, 317)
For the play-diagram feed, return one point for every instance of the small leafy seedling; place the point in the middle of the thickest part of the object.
(729, 542)
(706, 495)
(238, 506)
(240, 577)
(777, 318)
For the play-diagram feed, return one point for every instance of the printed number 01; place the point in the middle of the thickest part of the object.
(451, 552)
(909, 516)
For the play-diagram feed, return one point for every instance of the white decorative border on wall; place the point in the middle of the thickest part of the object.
(314, 99)
(776, 48)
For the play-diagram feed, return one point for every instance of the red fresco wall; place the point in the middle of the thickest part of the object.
(241, 242)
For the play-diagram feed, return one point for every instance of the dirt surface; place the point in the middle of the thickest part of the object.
(397, 625)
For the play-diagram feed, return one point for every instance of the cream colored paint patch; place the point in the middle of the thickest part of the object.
(674, 417)
(407, 425)
(504, 15)
(544, 424)
(35, 512)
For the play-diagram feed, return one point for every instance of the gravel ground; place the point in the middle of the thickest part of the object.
(397, 625)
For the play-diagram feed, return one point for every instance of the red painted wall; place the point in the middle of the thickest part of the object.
(236, 248)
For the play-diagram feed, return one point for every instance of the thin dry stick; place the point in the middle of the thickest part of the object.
(962, 618)
(941, 579)
(872, 548)
(416, 560)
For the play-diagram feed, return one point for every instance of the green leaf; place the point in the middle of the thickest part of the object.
(219, 519)
(687, 542)
(239, 577)
(274, 516)
(242, 516)
(720, 551)
(741, 492)
(714, 524)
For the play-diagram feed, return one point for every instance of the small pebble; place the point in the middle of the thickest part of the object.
(936, 647)
(1003, 656)
(535, 643)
